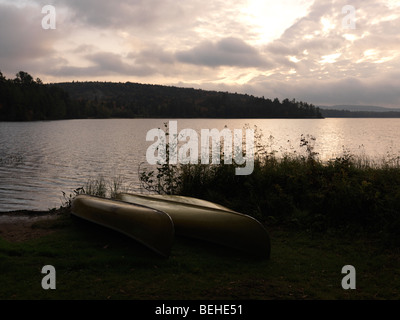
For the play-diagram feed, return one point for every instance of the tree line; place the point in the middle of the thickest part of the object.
(25, 99)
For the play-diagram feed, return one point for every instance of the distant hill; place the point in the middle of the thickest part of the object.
(354, 111)
(359, 108)
(134, 100)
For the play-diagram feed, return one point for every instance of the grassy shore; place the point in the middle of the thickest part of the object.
(93, 262)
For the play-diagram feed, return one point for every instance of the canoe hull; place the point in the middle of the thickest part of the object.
(209, 221)
(151, 227)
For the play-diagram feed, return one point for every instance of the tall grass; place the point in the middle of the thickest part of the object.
(105, 188)
(100, 187)
(347, 194)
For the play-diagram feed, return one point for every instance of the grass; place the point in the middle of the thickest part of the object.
(92, 262)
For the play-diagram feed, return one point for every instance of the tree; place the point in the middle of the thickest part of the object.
(2, 78)
(23, 78)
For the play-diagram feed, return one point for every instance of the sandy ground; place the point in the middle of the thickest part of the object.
(20, 225)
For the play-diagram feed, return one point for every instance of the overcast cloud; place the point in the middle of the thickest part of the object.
(291, 49)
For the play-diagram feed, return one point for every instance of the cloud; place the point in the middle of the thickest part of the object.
(320, 61)
(225, 52)
(155, 54)
(103, 64)
(22, 39)
(350, 91)
(108, 14)
(146, 15)
(381, 90)
(113, 63)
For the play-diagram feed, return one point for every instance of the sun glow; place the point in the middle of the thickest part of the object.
(271, 18)
(330, 58)
(294, 59)
(327, 25)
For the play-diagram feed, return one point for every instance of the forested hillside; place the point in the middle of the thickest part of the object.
(140, 100)
(24, 99)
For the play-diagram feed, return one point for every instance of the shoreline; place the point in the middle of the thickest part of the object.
(23, 225)
(28, 213)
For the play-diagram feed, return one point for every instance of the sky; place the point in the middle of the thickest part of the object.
(321, 52)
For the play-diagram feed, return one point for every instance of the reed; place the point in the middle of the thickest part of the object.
(100, 187)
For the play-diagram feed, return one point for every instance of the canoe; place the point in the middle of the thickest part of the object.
(151, 227)
(208, 221)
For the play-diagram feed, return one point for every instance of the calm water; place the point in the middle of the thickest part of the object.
(40, 160)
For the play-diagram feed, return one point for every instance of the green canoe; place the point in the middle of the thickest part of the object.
(151, 227)
(208, 221)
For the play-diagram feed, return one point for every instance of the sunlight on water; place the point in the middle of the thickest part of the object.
(40, 160)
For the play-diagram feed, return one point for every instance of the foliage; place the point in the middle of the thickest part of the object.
(344, 194)
(141, 100)
(67, 200)
(165, 180)
(25, 99)
(99, 187)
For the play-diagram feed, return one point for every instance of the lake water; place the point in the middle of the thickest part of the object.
(40, 160)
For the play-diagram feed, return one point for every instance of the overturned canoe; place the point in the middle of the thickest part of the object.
(149, 226)
(208, 221)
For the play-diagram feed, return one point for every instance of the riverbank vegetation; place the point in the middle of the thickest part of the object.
(348, 194)
(345, 195)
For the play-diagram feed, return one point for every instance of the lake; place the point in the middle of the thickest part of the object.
(40, 160)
